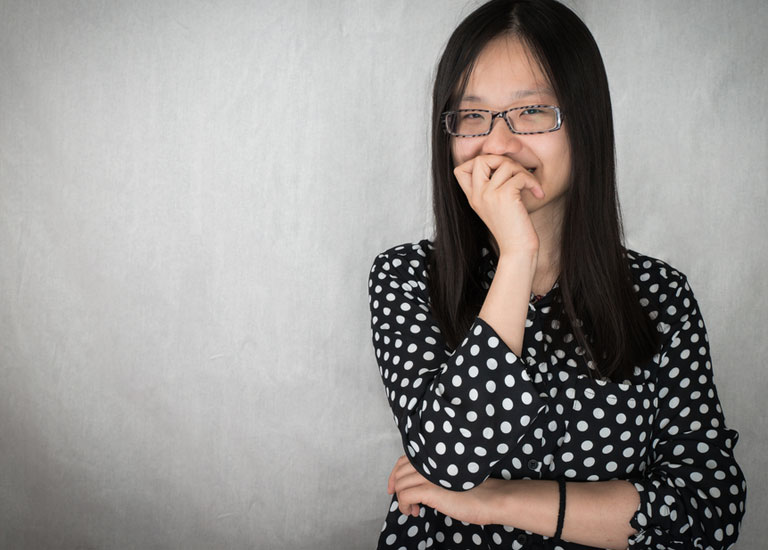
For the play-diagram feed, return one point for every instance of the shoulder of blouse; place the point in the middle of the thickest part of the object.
(655, 280)
(418, 251)
(655, 268)
(404, 262)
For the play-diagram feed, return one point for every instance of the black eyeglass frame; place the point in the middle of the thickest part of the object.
(503, 115)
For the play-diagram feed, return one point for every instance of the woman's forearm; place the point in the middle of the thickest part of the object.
(506, 305)
(597, 513)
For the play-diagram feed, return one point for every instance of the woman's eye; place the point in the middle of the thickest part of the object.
(531, 111)
(472, 116)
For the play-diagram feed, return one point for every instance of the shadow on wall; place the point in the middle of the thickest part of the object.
(54, 496)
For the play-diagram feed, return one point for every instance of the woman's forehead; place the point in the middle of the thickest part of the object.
(507, 69)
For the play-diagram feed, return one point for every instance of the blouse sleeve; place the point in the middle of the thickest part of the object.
(692, 492)
(458, 411)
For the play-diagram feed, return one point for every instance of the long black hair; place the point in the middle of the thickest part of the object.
(595, 284)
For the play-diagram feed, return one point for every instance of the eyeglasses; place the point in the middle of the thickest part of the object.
(530, 119)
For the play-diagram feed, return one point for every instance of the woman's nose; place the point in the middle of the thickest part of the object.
(501, 140)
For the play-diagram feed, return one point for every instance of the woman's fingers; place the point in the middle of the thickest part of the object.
(405, 504)
(488, 172)
(521, 181)
(508, 171)
(391, 481)
(483, 168)
(411, 490)
(463, 173)
(404, 477)
(410, 479)
(409, 500)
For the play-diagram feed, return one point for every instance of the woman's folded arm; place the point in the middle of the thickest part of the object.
(458, 412)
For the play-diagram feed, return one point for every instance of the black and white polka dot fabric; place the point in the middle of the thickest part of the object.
(481, 411)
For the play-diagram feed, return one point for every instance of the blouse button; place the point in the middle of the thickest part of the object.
(521, 538)
(533, 464)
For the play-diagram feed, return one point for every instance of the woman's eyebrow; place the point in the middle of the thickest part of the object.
(520, 94)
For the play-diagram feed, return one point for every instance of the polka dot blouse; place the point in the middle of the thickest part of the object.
(481, 410)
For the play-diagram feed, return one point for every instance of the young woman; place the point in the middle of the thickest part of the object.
(553, 388)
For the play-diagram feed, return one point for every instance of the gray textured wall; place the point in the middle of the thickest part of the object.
(191, 194)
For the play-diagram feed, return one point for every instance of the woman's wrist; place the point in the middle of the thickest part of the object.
(504, 500)
(519, 258)
(506, 305)
(595, 513)
(527, 504)
(520, 269)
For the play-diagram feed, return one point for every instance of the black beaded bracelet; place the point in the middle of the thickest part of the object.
(561, 512)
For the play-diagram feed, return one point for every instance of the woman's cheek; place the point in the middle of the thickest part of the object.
(463, 151)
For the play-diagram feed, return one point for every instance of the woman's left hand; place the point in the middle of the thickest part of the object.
(475, 506)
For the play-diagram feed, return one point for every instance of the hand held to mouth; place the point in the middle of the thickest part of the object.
(494, 186)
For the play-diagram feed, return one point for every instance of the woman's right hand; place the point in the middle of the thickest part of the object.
(493, 185)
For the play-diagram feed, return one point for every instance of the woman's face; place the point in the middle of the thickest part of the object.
(506, 76)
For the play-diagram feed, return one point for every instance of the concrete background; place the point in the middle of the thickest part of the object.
(191, 195)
